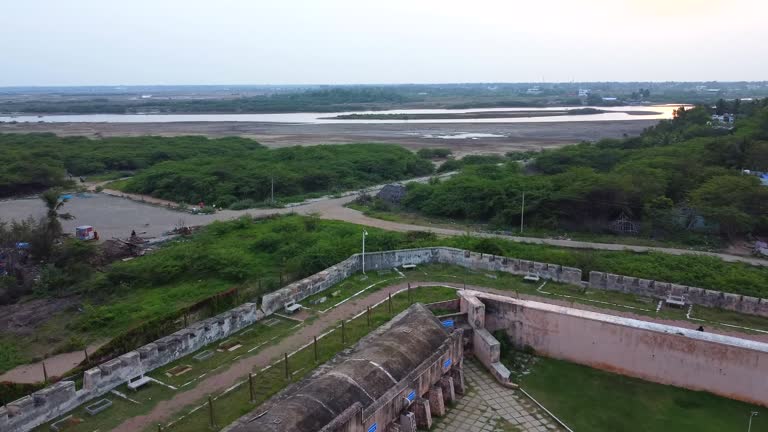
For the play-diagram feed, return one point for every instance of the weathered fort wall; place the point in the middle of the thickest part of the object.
(49, 403)
(727, 366)
(42, 406)
(374, 261)
(693, 295)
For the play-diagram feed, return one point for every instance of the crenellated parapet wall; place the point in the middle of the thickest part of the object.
(55, 400)
(692, 295)
(42, 406)
(318, 282)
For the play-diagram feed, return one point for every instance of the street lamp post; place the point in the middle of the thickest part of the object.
(365, 233)
(754, 413)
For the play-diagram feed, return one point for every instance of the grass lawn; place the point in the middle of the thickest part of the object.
(230, 406)
(588, 399)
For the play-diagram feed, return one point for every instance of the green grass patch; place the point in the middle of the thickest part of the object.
(588, 399)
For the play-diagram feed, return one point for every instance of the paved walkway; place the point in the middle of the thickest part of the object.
(487, 403)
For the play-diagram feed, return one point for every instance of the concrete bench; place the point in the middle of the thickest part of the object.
(292, 307)
(532, 277)
(678, 301)
(409, 266)
(135, 383)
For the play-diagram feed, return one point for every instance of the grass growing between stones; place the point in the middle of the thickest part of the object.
(253, 338)
(230, 406)
(588, 399)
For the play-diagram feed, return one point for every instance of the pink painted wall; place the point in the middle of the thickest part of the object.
(728, 366)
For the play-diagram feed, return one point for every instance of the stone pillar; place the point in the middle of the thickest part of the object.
(458, 380)
(421, 411)
(449, 394)
(436, 401)
(408, 422)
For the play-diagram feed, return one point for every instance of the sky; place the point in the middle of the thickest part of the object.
(142, 42)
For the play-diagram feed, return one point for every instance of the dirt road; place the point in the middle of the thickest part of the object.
(167, 410)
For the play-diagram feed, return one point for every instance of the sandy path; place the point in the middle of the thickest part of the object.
(56, 366)
(167, 410)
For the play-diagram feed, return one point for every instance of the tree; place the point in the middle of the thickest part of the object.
(50, 228)
(734, 202)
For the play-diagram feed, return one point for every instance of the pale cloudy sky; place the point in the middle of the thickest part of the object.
(93, 42)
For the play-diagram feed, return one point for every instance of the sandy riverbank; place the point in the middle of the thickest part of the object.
(492, 138)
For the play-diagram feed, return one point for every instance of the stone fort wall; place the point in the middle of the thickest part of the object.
(55, 400)
(724, 365)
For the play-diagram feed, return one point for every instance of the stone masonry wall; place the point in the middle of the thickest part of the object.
(42, 406)
(692, 295)
(46, 404)
(724, 365)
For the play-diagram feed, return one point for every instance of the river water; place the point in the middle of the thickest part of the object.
(660, 112)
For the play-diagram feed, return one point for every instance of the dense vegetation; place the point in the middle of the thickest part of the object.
(192, 169)
(681, 176)
(34, 162)
(246, 179)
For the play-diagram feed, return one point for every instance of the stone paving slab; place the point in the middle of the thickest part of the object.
(487, 402)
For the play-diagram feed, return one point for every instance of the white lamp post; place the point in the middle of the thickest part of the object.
(754, 413)
(365, 233)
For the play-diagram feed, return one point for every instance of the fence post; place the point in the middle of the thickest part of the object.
(250, 387)
(87, 358)
(410, 302)
(45, 373)
(287, 373)
(390, 305)
(316, 356)
(159, 427)
(343, 334)
(368, 316)
(210, 413)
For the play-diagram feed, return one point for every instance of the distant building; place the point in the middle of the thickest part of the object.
(723, 119)
(584, 92)
(393, 193)
(610, 99)
(534, 90)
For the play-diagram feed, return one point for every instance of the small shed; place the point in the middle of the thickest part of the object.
(393, 193)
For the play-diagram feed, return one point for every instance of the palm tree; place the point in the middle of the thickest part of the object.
(50, 225)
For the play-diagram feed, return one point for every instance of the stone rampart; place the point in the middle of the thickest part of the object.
(692, 295)
(46, 404)
(724, 365)
(375, 261)
(42, 406)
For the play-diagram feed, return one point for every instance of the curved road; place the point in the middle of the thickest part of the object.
(333, 208)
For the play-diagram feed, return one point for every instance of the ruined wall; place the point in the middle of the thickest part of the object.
(55, 400)
(375, 261)
(48, 403)
(727, 366)
(693, 295)
(479, 261)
